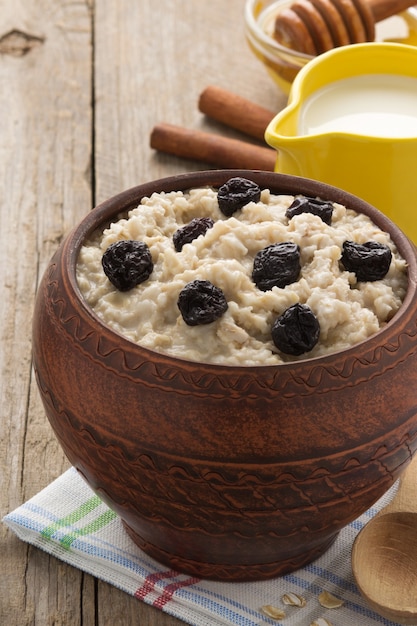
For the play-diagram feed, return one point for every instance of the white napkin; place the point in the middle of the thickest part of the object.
(68, 521)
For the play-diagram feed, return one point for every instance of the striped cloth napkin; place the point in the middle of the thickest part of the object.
(68, 521)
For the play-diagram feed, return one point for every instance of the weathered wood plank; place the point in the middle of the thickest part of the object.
(152, 62)
(45, 73)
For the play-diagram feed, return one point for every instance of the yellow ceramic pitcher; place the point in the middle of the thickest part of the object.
(380, 167)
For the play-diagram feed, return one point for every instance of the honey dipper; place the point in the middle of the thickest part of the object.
(315, 26)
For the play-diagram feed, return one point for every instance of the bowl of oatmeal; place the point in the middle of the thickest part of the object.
(228, 359)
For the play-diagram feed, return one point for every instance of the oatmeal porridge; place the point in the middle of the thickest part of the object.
(255, 281)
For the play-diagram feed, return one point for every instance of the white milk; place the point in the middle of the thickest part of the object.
(380, 105)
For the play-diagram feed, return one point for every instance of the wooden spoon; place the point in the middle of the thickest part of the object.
(384, 555)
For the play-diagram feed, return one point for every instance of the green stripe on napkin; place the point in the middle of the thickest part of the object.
(75, 516)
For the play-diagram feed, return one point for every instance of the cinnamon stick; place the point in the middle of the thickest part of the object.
(235, 111)
(217, 150)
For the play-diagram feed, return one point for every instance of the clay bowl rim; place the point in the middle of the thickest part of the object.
(119, 204)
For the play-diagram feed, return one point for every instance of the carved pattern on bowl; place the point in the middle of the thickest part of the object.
(173, 490)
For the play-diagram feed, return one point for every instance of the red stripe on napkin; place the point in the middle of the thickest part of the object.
(171, 589)
(150, 582)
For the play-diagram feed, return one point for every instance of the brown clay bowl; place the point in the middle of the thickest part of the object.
(229, 473)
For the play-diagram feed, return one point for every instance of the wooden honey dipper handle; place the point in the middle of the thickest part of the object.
(381, 9)
(315, 26)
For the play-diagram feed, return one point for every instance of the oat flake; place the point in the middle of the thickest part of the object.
(273, 611)
(329, 601)
(293, 599)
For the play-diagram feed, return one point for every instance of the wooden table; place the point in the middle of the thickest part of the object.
(82, 85)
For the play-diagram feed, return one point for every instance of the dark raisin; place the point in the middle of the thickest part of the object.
(369, 261)
(235, 193)
(191, 231)
(201, 302)
(127, 263)
(276, 265)
(296, 331)
(305, 204)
